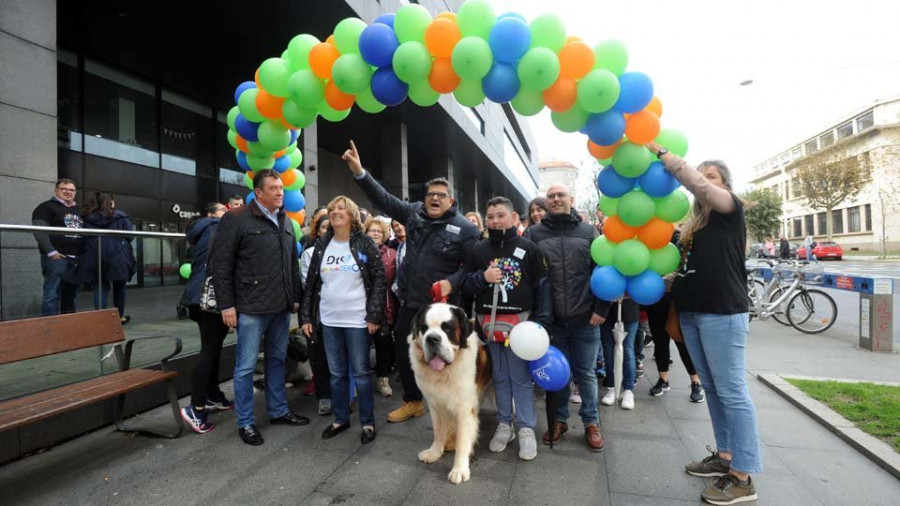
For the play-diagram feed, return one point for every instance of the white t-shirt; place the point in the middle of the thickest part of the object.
(343, 295)
(305, 260)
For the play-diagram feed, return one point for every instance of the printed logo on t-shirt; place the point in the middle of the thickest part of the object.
(342, 263)
(512, 272)
(72, 220)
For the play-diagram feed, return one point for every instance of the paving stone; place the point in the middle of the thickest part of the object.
(652, 467)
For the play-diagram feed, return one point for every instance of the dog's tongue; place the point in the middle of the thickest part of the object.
(437, 364)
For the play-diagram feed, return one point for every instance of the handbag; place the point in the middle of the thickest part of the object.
(208, 296)
(673, 324)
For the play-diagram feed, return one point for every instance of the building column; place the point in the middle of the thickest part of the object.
(395, 160)
(470, 195)
(310, 167)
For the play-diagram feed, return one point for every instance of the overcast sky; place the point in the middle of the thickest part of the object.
(812, 63)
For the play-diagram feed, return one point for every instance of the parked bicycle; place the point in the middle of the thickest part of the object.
(787, 298)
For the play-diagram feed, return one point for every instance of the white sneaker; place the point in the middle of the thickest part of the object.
(575, 398)
(627, 399)
(527, 444)
(502, 437)
(610, 398)
(383, 387)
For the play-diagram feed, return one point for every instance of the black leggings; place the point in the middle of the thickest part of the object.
(319, 365)
(402, 325)
(205, 378)
(657, 315)
(384, 351)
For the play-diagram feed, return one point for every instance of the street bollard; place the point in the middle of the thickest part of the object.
(876, 317)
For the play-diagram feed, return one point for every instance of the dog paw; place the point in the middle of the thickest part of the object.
(430, 455)
(458, 475)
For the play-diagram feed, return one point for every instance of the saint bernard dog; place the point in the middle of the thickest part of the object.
(453, 371)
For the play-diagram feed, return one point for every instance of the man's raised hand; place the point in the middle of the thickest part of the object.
(351, 156)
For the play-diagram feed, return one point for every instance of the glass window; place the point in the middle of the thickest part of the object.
(515, 164)
(68, 121)
(811, 146)
(864, 121)
(798, 227)
(785, 159)
(797, 153)
(823, 223)
(808, 224)
(845, 130)
(853, 220)
(186, 135)
(826, 139)
(119, 116)
(837, 221)
(795, 187)
(868, 217)
(231, 176)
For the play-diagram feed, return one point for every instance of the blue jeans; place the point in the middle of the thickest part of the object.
(58, 296)
(348, 349)
(580, 344)
(717, 344)
(250, 331)
(512, 382)
(628, 364)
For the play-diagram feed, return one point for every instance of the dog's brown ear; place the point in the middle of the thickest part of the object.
(465, 326)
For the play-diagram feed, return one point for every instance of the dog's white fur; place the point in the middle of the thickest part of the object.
(452, 393)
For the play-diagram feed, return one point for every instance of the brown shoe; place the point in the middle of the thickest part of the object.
(407, 411)
(593, 438)
(559, 428)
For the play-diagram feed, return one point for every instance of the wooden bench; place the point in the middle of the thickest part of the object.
(49, 335)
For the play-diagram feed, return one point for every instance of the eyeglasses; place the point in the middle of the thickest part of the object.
(440, 195)
(67, 190)
(554, 196)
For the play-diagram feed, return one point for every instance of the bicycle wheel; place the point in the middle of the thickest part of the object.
(811, 311)
(780, 313)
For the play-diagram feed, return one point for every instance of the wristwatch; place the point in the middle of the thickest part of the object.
(661, 152)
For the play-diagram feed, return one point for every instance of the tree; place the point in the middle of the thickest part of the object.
(888, 199)
(762, 213)
(825, 183)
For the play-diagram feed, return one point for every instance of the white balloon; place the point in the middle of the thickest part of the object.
(529, 340)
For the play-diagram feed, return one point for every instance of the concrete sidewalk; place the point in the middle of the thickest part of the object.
(646, 450)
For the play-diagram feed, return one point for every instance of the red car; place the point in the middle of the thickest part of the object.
(823, 250)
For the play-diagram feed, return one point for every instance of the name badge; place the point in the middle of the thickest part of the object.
(519, 253)
(453, 229)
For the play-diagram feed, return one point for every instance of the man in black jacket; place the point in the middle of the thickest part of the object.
(566, 243)
(438, 239)
(256, 275)
(58, 251)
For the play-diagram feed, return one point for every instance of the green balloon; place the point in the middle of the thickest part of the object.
(297, 231)
(673, 140)
(185, 270)
(412, 62)
(367, 102)
(635, 208)
(598, 91)
(296, 158)
(297, 116)
(538, 69)
(411, 22)
(351, 74)
(602, 251)
(232, 138)
(291, 147)
(298, 50)
(611, 55)
(631, 257)
(472, 58)
(469, 93)
(665, 260)
(273, 135)
(346, 35)
(547, 30)
(608, 205)
(260, 162)
(273, 76)
(247, 105)
(298, 182)
(307, 90)
(528, 102)
(605, 162)
(422, 95)
(631, 160)
(331, 114)
(248, 181)
(673, 207)
(571, 120)
(257, 149)
(475, 18)
(232, 116)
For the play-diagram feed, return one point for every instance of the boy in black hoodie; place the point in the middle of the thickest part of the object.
(516, 266)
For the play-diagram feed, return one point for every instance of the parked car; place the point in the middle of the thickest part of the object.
(756, 250)
(823, 250)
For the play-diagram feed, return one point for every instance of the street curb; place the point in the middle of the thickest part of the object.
(874, 449)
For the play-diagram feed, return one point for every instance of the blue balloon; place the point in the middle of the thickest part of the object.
(550, 372)
(514, 15)
(386, 19)
(250, 197)
(294, 201)
(636, 91)
(244, 86)
(607, 283)
(606, 128)
(388, 88)
(242, 160)
(646, 288)
(246, 128)
(377, 44)
(510, 38)
(657, 182)
(294, 135)
(612, 184)
(501, 84)
(282, 164)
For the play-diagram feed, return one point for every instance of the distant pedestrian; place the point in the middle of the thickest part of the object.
(58, 250)
(321, 385)
(769, 248)
(235, 202)
(378, 229)
(784, 248)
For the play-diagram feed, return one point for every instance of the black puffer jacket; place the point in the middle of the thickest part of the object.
(368, 257)
(566, 243)
(255, 264)
(436, 248)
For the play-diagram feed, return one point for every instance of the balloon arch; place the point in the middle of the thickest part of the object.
(477, 55)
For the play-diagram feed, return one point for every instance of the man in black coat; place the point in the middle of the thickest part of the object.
(256, 275)
(438, 240)
(58, 251)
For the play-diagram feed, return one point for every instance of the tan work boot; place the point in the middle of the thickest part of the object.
(407, 411)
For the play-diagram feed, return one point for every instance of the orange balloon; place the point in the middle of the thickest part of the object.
(562, 95)
(448, 15)
(321, 58)
(330, 39)
(442, 77)
(642, 127)
(250, 174)
(656, 233)
(573, 38)
(602, 152)
(288, 177)
(285, 124)
(268, 105)
(279, 154)
(441, 36)
(298, 216)
(655, 106)
(256, 79)
(575, 59)
(337, 98)
(242, 143)
(616, 231)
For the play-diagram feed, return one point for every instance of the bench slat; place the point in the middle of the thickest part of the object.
(29, 409)
(38, 337)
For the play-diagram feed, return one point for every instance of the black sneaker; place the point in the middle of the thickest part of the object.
(660, 388)
(697, 394)
(639, 371)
